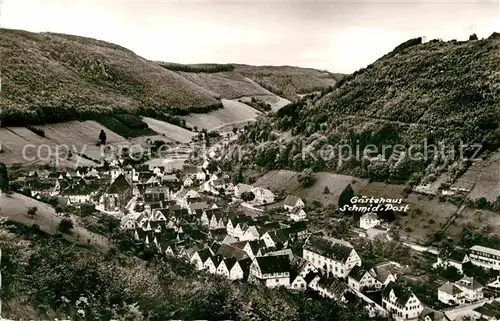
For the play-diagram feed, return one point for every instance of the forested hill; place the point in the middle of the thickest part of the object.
(48, 77)
(55, 77)
(439, 91)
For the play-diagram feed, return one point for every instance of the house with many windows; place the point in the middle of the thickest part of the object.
(472, 290)
(486, 257)
(401, 303)
(272, 270)
(336, 259)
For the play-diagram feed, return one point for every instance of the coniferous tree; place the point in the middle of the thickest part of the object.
(102, 137)
(345, 197)
(4, 178)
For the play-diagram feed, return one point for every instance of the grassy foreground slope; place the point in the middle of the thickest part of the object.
(45, 277)
(49, 77)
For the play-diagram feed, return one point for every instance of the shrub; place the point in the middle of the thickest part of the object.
(65, 226)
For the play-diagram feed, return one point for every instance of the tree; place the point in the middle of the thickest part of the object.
(247, 196)
(473, 37)
(346, 196)
(326, 190)
(32, 211)
(87, 209)
(102, 137)
(65, 226)
(235, 130)
(306, 178)
(212, 167)
(4, 178)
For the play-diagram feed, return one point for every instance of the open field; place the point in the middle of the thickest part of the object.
(169, 131)
(232, 112)
(80, 137)
(276, 102)
(425, 216)
(15, 207)
(286, 181)
(487, 184)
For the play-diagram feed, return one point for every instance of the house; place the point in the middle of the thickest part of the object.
(451, 294)
(452, 258)
(369, 220)
(489, 311)
(225, 266)
(240, 269)
(242, 188)
(118, 194)
(297, 214)
(484, 256)
(231, 251)
(200, 257)
(297, 282)
(212, 263)
(401, 303)
(333, 258)
(302, 266)
(182, 197)
(154, 194)
(332, 288)
(273, 271)
(429, 314)
(472, 289)
(298, 230)
(360, 279)
(276, 238)
(263, 195)
(293, 202)
(251, 233)
(385, 273)
(193, 207)
(128, 223)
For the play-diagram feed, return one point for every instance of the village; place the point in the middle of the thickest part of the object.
(189, 208)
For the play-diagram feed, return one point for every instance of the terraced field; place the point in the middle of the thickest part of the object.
(232, 112)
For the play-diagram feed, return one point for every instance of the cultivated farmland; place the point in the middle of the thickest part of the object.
(233, 112)
(169, 131)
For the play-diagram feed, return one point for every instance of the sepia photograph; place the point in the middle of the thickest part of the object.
(250, 160)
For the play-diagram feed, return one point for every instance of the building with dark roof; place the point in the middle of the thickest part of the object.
(272, 270)
(118, 194)
(333, 258)
(400, 302)
(360, 279)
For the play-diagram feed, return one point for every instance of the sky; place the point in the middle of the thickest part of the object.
(338, 36)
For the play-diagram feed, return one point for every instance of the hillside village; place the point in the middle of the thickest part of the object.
(196, 212)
